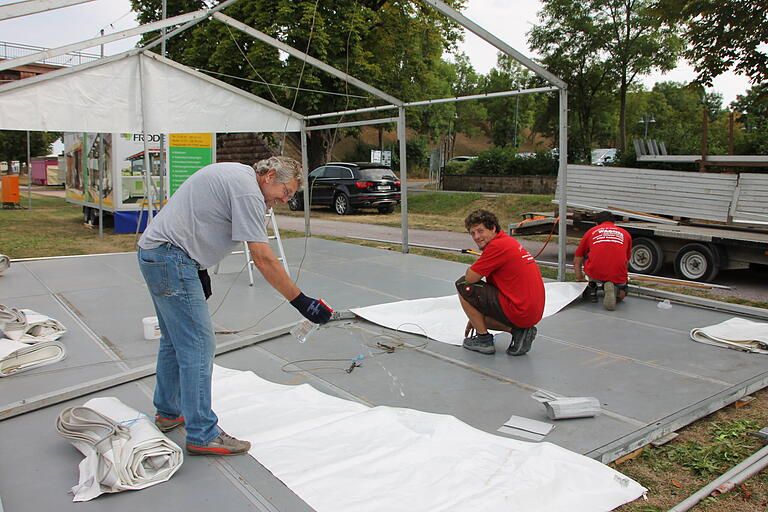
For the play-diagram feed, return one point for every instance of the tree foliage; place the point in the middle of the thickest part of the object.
(13, 144)
(753, 111)
(598, 43)
(722, 35)
(395, 46)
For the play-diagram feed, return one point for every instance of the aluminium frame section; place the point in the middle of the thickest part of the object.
(659, 428)
(25, 8)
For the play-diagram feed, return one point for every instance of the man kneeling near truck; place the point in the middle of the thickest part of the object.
(511, 298)
(606, 249)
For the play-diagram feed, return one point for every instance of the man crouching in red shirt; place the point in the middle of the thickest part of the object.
(606, 249)
(510, 299)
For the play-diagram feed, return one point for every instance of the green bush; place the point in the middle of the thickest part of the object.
(500, 161)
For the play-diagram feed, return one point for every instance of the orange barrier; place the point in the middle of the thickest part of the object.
(10, 185)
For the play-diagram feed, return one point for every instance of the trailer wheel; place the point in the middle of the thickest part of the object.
(647, 256)
(696, 262)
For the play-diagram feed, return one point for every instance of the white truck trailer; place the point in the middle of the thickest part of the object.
(698, 222)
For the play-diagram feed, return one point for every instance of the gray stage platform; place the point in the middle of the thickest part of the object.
(639, 361)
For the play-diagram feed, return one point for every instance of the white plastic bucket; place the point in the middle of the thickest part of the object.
(151, 328)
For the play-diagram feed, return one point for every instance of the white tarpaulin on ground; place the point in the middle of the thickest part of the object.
(109, 96)
(123, 448)
(442, 318)
(341, 456)
(736, 333)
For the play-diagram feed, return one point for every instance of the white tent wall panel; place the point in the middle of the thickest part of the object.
(107, 98)
(95, 99)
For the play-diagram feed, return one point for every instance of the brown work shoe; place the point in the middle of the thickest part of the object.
(609, 300)
(223, 444)
(168, 424)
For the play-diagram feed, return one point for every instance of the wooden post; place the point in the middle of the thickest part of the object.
(704, 141)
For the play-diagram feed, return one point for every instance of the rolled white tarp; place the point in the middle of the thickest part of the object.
(17, 357)
(29, 326)
(123, 448)
(736, 333)
(5, 262)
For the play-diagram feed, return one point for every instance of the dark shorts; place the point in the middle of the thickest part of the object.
(483, 297)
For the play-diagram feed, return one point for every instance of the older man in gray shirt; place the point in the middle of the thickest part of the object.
(218, 207)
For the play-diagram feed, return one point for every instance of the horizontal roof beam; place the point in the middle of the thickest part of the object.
(303, 56)
(483, 96)
(18, 9)
(495, 41)
(349, 124)
(96, 41)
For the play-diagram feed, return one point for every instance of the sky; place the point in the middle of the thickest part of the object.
(509, 20)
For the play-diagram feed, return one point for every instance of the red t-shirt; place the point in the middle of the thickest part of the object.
(607, 248)
(510, 268)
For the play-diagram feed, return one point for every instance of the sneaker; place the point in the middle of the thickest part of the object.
(590, 292)
(609, 301)
(223, 444)
(482, 343)
(168, 424)
(522, 339)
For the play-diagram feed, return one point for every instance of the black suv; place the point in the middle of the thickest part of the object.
(346, 186)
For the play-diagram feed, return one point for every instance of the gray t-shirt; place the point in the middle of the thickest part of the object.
(218, 206)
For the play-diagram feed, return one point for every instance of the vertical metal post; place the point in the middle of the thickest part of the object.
(562, 174)
(163, 154)
(704, 140)
(29, 172)
(101, 185)
(305, 165)
(145, 136)
(403, 180)
(101, 170)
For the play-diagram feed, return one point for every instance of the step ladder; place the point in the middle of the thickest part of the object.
(275, 236)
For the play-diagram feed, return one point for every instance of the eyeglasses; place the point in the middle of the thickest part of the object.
(287, 194)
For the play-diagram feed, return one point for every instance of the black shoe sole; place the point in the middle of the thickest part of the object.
(482, 350)
(520, 347)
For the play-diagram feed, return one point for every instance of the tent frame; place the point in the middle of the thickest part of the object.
(192, 18)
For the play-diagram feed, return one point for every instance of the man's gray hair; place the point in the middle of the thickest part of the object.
(287, 169)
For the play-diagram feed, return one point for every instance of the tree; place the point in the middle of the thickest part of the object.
(13, 144)
(721, 34)
(394, 45)
(620, 39)
(753, 110)
(509, 115)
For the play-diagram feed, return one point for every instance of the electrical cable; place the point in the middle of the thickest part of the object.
(554, 225)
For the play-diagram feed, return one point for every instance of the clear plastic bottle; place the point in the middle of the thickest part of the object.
(303, 330)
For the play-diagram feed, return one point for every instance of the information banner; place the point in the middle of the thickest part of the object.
(187, 153)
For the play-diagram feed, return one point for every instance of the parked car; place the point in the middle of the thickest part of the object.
(604, 156)
(347, 186)
(462, 159)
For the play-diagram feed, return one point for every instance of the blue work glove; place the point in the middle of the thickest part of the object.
(313, 310)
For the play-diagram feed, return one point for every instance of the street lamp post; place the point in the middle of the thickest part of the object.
(646, 120)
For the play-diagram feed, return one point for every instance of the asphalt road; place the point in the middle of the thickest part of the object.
(746, 284)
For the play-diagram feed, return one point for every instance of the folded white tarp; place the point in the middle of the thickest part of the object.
(442, 318)
(5, 262)
(17, 357)
(123, 448)
(341, 456)
(736, 333)
(29, 326)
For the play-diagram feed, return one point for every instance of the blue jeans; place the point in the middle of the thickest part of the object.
(187, 343)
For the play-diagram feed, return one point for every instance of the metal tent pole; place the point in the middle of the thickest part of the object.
(403, 180)
(145, 136)
(563, 182)
(101, 170)
(305, 165)
(163, 154)
(29, 173)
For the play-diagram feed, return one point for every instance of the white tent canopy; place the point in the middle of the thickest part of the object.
(112, 95)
